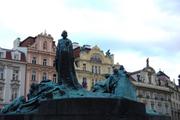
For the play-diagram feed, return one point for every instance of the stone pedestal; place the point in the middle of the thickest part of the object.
(85, 109)
(92, 109)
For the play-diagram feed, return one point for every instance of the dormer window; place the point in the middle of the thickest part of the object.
(1, 54)
(16, 56)
(138, 78)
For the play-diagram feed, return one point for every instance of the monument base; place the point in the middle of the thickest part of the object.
(85, 109)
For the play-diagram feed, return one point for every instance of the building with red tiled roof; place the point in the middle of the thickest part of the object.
(12, 75)
(27, 42)
(40, 54)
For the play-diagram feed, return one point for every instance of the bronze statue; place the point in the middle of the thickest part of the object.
(116, 85)
(65, 63)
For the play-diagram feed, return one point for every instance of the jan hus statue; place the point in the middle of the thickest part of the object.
(65, 63)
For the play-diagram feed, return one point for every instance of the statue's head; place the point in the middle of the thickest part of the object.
(64, 34)
(115, 71)
(121, 67)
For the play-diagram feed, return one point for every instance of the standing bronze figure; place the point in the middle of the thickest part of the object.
(65, 63)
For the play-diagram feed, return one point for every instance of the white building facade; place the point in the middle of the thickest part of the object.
(152, 91)
(12, 75)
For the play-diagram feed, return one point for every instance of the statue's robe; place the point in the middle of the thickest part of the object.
(65, 64)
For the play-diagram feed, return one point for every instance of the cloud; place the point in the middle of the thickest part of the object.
(142, 28)
(100, 5)
(134, 61)
(119, 19)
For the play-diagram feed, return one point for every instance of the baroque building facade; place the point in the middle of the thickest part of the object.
(91, 64)
(12, 75)
(175, 101)
(152, 91)
(40, 54)
(175, 96)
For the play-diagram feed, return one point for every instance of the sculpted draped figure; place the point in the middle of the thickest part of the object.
(65, 63)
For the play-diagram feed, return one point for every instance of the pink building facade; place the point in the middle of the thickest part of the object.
(40, 54)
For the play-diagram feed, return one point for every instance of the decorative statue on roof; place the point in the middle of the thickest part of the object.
(65, 63)
(147, 62)
(108, 53)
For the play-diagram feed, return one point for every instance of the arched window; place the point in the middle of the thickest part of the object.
(45, 45)
(96, 58)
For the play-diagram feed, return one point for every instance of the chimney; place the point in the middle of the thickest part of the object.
(16, 43)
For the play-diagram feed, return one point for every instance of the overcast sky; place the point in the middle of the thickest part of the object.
(132, 29)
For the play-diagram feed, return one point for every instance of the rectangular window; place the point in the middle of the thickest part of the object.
(92, 82)
(152, 105)
(54, 63)
(45, 45)
(1, 55)
(34, 60)
(54, 78)
(99, 69)
(84, 83)
(84, 67)
(1, 73)
(96, 71)
(33, 75)
(109, 70)
(93, 69)
(1, 93)
(44, 77)
(15, 74)
(14, 94)
(44, 62)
